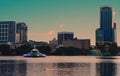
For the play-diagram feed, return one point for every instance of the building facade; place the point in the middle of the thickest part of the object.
(7, 31)
(107, 30)
(11, 32)
(22, 31)
(62, 36)
(53, 44)
(106, 34)
(79, 43)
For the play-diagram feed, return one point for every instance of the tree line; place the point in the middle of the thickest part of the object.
(6, 50)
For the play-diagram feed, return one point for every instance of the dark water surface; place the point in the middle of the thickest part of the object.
(60, 66)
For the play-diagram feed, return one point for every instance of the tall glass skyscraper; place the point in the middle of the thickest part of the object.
(107, 30)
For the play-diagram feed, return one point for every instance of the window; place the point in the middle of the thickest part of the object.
(3, 32)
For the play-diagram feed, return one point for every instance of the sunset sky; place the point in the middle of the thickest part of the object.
(45, 18)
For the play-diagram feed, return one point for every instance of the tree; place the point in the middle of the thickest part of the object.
(44, 49)
(70, 51)
(5, 49)
(23, 49)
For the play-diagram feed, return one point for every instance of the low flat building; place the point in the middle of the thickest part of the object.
(79, 43)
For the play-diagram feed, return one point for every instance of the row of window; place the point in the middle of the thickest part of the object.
(3, 34)
(4, 38)
(3, 30)
(3, 25)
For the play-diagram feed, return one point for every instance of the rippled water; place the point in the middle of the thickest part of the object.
(60, 66)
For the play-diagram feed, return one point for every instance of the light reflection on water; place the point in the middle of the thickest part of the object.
(106, 69)
(12, 68)
(23, 67)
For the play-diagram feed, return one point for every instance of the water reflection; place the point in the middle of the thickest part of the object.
(20, 68)
(36, 69)
(72, 69)
(28, 67)
(59, 69)
(12, 68)
(106, 69)
(16, 68)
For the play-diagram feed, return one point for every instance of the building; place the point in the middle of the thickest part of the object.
(11, 32)
(106, 34)
(99, 35)
(22, 31)
(62, 36)
(107, 30)
(79, 43)
(53, 44)
(7, 31)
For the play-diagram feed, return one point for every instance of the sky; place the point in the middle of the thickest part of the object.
(45, 18)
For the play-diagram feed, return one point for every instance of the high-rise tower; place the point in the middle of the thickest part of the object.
(107, 30)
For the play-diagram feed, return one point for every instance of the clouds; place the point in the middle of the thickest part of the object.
(50, 33)
(46, 35)
(41, 36)
(61, 26)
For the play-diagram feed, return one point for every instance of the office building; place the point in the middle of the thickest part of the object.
(107, 30)
(62, 36)
(7, 31)
(53, 44)
(106, 34)
(11, 32)
(22, 31)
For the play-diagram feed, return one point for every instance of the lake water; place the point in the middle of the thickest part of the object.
(60, 66)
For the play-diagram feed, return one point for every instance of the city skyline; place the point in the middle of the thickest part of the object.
(45, 18)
